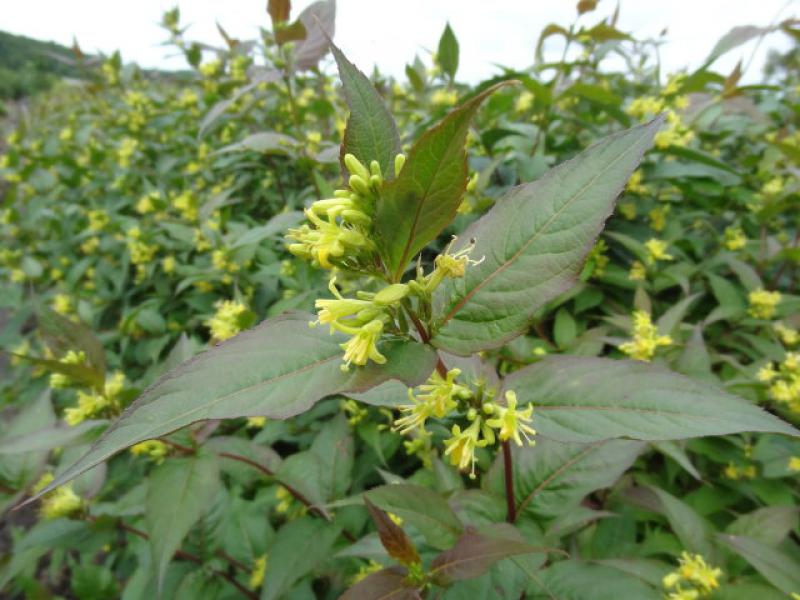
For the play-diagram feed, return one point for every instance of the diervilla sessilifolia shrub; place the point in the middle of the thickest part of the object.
(475, 391)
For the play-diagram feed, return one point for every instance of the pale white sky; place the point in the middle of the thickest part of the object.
(389, 33)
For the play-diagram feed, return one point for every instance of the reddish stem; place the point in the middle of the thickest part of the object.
(508, 467)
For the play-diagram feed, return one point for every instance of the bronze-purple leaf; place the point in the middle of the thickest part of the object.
(394, 539)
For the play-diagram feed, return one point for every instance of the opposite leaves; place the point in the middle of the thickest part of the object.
(533, 244)
(278, 369)
(423, 200)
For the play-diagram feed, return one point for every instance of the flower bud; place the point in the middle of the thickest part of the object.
(376, 182)
(391, 294)
(399, 161)
(359, 184)
(375, 168)
(355, 167)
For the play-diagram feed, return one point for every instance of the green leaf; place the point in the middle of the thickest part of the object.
(62, 334)
(694, 532)
(423, 200)
(769, 524)
(423, 508)
(447, 55)
(51, 437)
(579, 580)
(278, 369)
(386, 584)
(776, 566)
(333, 447)
(474, 554)
(298, 548)
(179, 492)
(582, 399)
(551, 478)
(371, 133)
(533, 243)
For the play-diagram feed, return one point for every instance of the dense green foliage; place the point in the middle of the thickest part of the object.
(659, 364)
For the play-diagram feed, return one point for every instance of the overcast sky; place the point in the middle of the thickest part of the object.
(390, 33)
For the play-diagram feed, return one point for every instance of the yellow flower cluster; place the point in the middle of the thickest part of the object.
(646, 339)
(436, 398)
(93, 403)
(784, 380)
(230, 318)
(62, 304)
(59, 380)
(61, 502)
(658, 217)
(735, 238)
(656, 251)
(736, 472)
(340, 226)
(140, 251)
(694, 578)
(675, 132)
(442, 97)
(763, 303)
(794, 464)
(788, 335)
(155, 450)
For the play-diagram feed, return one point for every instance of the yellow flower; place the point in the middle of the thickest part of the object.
(512, 422)
(524, 102)
(789, 336)
(766, 373)
(61, 502)
(460, 447)
(734, 238)
(364, 570)
(444, 97)
(362, 346)
(168, 264)
(794, 464)
(438, 397)
(638, 271)
(59, 380)
(774, 187)
(155, 450)
(635, 184)
(256, 422)
(645, 338)
(656, 250)
(763, 303)
(98, 219)
(628, 210)
(658, 217)
(62, 304)
(693, 572)
(229, 320)
(90, 246)
(258, 572)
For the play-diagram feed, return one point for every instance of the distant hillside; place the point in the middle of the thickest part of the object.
(28, 66)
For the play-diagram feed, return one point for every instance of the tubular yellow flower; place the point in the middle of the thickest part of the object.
(645, 338)
(513, 423)
(763, 303)
(363, 345)
(438, 397)
(460, 447)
